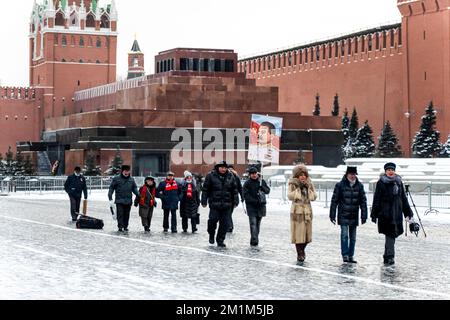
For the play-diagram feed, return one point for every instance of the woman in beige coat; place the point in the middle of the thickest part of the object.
(301, 192)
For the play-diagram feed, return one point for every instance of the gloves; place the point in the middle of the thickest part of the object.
(136, 204)
(363, 221)
(111, 203)
(333, 221)
(374, 220)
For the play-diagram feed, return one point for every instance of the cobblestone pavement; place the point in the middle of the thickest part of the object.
(45, 257)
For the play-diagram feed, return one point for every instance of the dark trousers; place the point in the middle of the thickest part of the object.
(74, 207)
(255, 225)
(223, 218)
(348, 241)
(167, 212)
(389, 248)
(185, 223)
(123, 215)
(146, 215)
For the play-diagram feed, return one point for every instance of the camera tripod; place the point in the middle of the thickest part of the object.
(408, 193)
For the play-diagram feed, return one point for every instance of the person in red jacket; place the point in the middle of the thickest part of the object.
(146, 202)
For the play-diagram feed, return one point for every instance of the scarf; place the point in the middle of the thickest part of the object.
(171, 185)
(396, 180)
(189, 191)
(145, 190)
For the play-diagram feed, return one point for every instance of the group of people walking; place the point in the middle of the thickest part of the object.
(222, 191)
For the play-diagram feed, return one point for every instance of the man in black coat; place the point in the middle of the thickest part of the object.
(169, 193)
(124, 186)
(239, 186)
(220, 191)
(255, 203)
(348, 197)
(389, 206)
(75, 185)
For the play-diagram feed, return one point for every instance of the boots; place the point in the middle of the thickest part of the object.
(301, 256)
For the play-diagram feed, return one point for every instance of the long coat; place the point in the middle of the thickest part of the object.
(124, 189)
(169, 195)
(75, 186)
(301, 210)
(389, 208)
(189, 206)
(348, 200)
(250, 191)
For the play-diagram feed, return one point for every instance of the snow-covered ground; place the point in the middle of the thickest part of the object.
(45, 257)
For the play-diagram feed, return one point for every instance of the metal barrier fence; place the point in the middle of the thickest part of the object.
(423, 198)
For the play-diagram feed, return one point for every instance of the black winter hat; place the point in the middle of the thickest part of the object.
(253, 170)
(390, 165)
(353, 170)
(150, 178)
(222, 164)
(126, 168)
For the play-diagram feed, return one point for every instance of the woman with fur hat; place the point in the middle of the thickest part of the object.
(389, 204)
(301, 192)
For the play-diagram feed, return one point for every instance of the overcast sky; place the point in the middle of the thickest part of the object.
(247, 26)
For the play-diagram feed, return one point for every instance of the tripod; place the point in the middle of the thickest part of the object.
(408, 193)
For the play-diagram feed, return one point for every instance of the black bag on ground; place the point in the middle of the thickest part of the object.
(85, 222)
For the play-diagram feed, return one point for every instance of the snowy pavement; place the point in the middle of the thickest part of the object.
(45, 257)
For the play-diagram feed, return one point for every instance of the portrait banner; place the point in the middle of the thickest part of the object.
(265, 137)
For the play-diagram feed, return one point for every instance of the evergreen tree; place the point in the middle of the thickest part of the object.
(116, 164)
(9, 163)
(335, 110)
(345, 126)
(354, 125)
(29, 167)
(2, 169)
(364, 146)
(388, 143)
(348, 149)
(91, 169)
(426, 142)
(20, 164)
(300, 158)
(317, 106)
(445, 152)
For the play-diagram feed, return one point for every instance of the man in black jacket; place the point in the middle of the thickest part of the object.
(124, 186)
(256, 203)
(75, 185)
(220, 191)
(348, 197)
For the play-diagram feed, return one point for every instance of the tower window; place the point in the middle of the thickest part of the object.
(90, 21)
(59, 19)
(104, 22)
(64, 40)
(392, 38)
(91, 44)
(369, 43)
(79, 83)
(99, 43)
(384, 39)
(356, 45)
(72, 41)
(56, 39)
(81, 42)
(135, 62)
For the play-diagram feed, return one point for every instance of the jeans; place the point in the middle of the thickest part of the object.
(255, 225)
(389, 248)
(348, 240)
(123, 215)
(167, 212)
(74, 207)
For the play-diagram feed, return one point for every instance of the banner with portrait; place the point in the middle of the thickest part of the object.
(265, 137)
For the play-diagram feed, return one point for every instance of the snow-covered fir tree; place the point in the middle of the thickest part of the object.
(116, 164)
(335, 109)
(388, 143)
(445, 152)
(29, 167)
(9, 164)
(317, 106)
(1, 165)
(348, 150)
(354, 125)
(364, 146)
(91, 169)
(426, 142)
(345, 126)
(20, 165)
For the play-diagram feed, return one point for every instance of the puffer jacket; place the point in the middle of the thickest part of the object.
(220, 191)
(348, 200)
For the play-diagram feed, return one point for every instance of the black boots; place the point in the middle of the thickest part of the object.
(389, 261)
(211, 239)
(301, 256)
